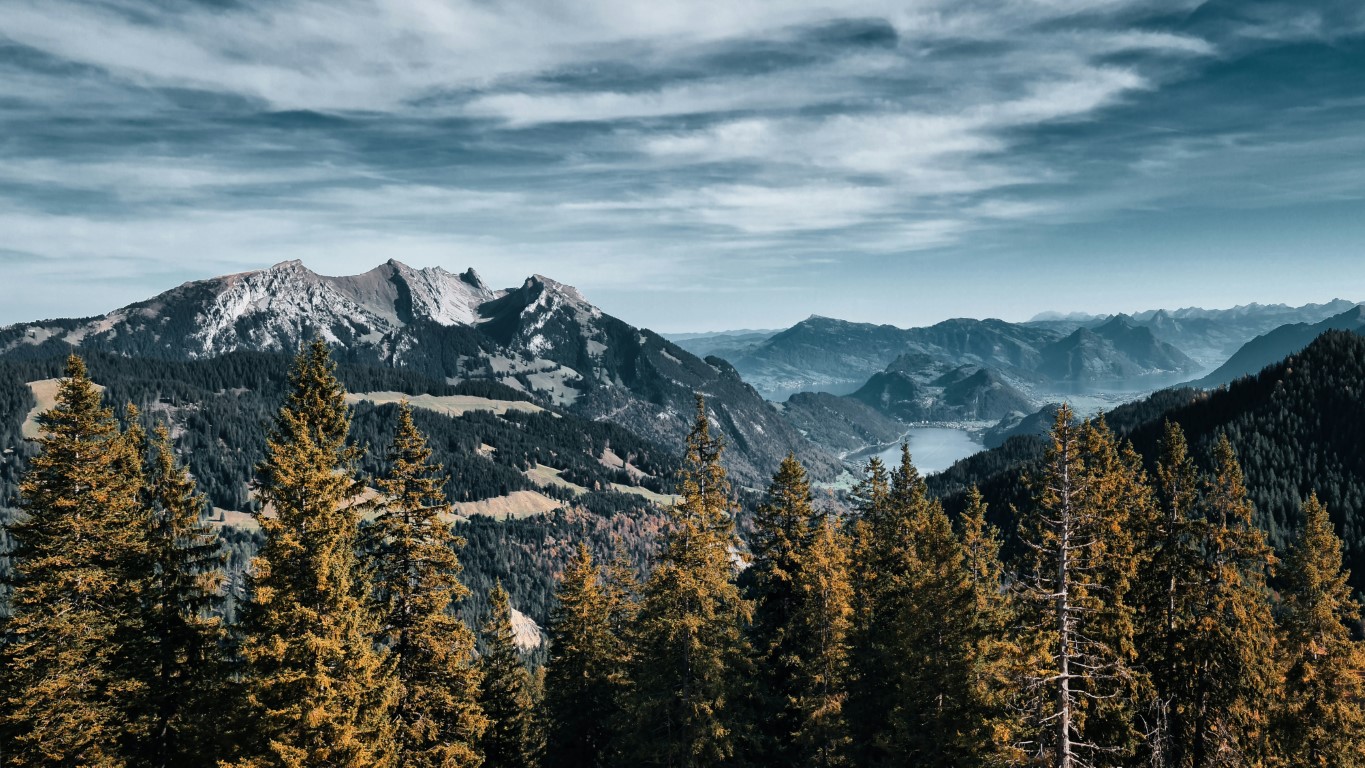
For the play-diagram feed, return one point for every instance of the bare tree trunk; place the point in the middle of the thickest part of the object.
(1064, 757)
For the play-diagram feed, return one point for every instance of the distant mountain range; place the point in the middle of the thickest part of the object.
(1278, 344)
(1052, 351)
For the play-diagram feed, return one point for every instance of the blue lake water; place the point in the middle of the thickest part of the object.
(934, 449)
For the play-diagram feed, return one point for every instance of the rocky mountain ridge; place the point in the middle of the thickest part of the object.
(542, 338)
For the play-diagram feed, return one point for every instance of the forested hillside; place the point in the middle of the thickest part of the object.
(1143, 617)
(1297, 425)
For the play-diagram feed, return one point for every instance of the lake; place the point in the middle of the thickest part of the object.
(934, 449)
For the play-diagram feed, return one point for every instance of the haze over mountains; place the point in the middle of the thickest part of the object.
(1148, 348)
(847, 386)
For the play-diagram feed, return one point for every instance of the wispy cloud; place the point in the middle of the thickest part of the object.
(616, 143)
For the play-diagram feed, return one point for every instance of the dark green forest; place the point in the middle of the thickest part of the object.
(1164, 586)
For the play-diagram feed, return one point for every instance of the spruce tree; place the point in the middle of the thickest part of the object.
(64, 683)
(416, 578)
(505, 694)
(317, 689)
(689, 650)
(178, 655)
(1322, 721)
(583, 675)
(779, 544)
(1235, 679)
(819, 629)
(1166, 599)
(1118, 501)
(991, 726)
(871, 679)
(1071, 661)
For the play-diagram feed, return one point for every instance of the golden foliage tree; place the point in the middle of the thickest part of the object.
(317, 690)
(412, 552)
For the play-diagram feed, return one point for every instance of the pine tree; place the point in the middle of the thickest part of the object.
(871, 670)
(179, 658)
(64, 687)
(1234, 639)
(1070, 657)
(583, 676)
(990, 725)
(1323, 721)
(779, 543)
(505, 695)
(1166, 595)
(316, 687)
(819, 629)
(689, 650)
(416, 576)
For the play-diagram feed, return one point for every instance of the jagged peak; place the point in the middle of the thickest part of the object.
(292, 265)
(554, 286)
(472, 279)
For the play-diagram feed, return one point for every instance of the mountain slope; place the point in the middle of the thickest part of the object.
(1296, 427)
(1117, 349)
(835, 355)
(542, 338)
(1278, 344)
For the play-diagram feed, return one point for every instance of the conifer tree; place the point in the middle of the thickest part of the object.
(317, 689)
(416, 577)
(689, 649)
(990, 725)
(1323, 715)
(178, 654)
(819, 633)
(63, 683)
(871, 681)
(505, 695)
(1117, 501)
(1070, 660)
(583, 676)
(779, 544)
(1234, 639)
(1166, 596)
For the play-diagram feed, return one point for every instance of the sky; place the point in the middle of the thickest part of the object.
(693, 165)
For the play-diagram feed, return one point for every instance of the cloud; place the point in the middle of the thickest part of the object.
(611, 141)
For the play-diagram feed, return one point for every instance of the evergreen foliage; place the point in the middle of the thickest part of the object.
(505, 695)
(1323, 718)
(412, 552)
(178, 654)
(585, 675)
(64, 690)
(689, 650)
(317, 689)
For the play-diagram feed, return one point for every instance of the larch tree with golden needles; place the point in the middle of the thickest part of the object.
(1322, 720)
(62, 683)
(412, 551)
(318, 692)
(689, 649)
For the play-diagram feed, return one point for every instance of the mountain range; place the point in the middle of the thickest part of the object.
(541, 338)
(1051, 353)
